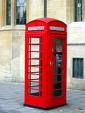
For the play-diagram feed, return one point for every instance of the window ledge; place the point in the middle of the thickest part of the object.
(5, 28)
(22, 27)
(16, 27)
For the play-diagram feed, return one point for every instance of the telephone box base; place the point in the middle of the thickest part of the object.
(48, 108)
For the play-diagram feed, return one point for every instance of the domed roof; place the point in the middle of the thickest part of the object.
(47, 20)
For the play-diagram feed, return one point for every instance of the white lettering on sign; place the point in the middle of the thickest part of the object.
(57, 28)
(35, 28)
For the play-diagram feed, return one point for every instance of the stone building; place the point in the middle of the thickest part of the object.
(13, 16)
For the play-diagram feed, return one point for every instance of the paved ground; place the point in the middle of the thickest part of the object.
(11, 101)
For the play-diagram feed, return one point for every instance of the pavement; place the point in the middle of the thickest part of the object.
(11, 100)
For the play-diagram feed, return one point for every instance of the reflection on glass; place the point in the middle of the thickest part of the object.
(57, 67)
(34, 92)
(34, 77)
(35, 47)
(58, 48)
(35, 62)
(34, 88)
(57, 78)
(57, 92)
(34, 84)
(34, 54)
(58, 59)
(58, 70)
(58, 41)
(34, 69)
(57, 85)
(35, 40)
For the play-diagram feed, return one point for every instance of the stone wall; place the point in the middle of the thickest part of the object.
(75, 49)
(5, 53)
(57, 9)
(36, 9)
(17, 64)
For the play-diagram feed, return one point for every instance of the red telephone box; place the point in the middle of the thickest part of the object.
(45, 63)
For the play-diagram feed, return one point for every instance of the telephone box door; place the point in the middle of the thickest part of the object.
(58, 69)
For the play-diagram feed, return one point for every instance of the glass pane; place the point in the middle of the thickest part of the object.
(57, 92)
(58, 41)
(59, 63)
(57, 78)
(58, 60)
(78, 67)
(57, 70)
(34, 84)
(35, 54)
(34, 69)
(34, 92)
(34, 62)
(58, 55)
(78, 10)
(58, 48)
(35, 47)
(57, 86)
(35, 40)
(20, 11)
(8, 12)
(81, 68)
(74, 68)
(33, 76)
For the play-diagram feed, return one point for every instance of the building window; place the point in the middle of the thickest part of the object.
(20, 12)
(78, 10)
(78, 68)
(8, 12)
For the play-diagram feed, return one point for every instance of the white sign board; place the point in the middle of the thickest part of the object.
(35, 28)
(56, 28)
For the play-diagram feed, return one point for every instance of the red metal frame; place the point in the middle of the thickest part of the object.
(45, 99)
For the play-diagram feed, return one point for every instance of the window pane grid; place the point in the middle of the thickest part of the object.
(57, 78)
(78, 68)
(34, 66)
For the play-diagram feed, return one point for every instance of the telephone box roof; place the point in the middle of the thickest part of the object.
(47, 20)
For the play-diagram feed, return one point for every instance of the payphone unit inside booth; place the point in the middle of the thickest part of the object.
(45, 63)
